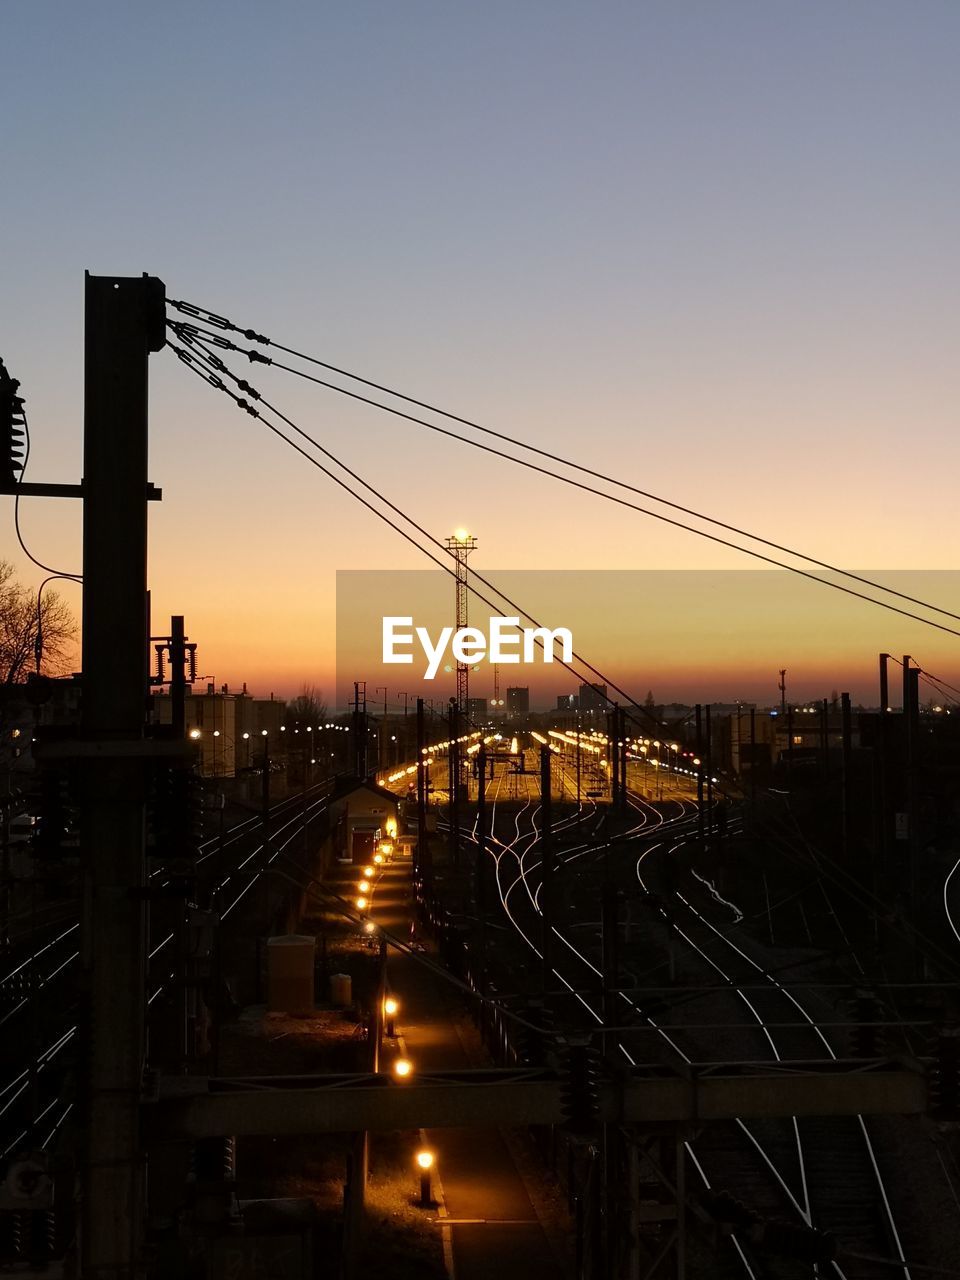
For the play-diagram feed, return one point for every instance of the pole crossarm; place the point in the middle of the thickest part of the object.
(38, 489)
(198, 1108)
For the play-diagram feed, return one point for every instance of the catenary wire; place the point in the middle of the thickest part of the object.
(252, 335)
(188, 333)
(209, 375)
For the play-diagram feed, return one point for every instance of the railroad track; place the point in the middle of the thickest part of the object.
(823, 1173)
(38, 1006)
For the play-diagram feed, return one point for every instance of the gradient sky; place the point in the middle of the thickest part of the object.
(709, 247)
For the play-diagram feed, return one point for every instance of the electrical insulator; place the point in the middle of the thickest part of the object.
(12, 432)
(945, 1077)
(581, 1089)
(215, 1160)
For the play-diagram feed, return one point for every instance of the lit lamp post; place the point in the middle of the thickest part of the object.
(425, 1161)
(391, 1006)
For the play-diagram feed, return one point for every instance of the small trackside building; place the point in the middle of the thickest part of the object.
(359, 814)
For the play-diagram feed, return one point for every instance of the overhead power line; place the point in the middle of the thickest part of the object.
(222, 323)
(209, 367)
(192, 334)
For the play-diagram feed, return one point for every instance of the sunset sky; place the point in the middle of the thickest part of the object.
(706, 248)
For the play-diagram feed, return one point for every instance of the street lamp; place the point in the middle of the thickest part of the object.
(391, 1006)
(403, 1068)
(425, 1161)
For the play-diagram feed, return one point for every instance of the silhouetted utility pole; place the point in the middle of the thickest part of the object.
(382, 734)
(124, 321)
(846, 740)
(176, 648)
(423, 854)
(178, 675)
(884, 687)
(911, 728)
(610, 963)
(547, 868)
(480, 865)
(824, 740)
(782, 686)
(453, 783)
(700, 814)
(708, 758)
(265, 831)
(610, 967)
(882, 791)
(622, 754)
(614, 727)
(359, 728)
(790, 740)
(618, 759)
(579, 773)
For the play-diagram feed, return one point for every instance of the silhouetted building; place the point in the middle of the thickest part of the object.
(476, 710)
(593, 697)
(518, 703)
(228, 728)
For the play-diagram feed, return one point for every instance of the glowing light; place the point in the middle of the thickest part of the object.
(194, 733)
(367, 872)
(364, 886)
(402, 1068)
(390, 1006)
(362, 903)
(378, 858)
(425, 1159)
